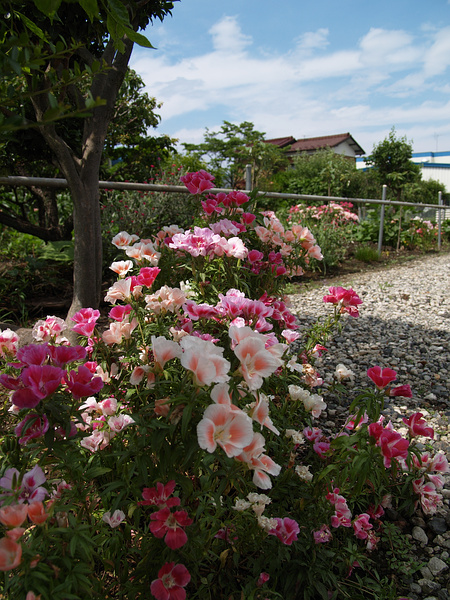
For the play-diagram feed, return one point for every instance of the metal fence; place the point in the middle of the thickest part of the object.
(150, 187)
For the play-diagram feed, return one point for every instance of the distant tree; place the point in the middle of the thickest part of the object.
(425, 191)
(227, 152)
(391, 161)
(322, 173)
(95, 41)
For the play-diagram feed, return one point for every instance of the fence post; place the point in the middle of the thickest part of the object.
(380, 233)
(248, 178)
(440, 202)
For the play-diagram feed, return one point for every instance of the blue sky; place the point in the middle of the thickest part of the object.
(304, 68)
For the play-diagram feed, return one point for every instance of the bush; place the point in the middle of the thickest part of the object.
(178, 452)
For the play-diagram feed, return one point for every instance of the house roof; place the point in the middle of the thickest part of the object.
(281, 142)
(326, 141)
(316, 143)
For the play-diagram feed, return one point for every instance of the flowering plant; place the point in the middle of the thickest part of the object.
(177, 452)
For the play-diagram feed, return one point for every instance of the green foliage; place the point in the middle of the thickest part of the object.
(322, 173)
(367, 254)
(229, 150)
(391, 160)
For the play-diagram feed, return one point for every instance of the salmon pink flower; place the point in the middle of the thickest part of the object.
(418, 426)
(31, 427)
(13, 515)
(121, 267)
(256, 361)
(165, 350)
(287, 530)
(10, 554)
(223, 426)
(172, 579)
(204, 360)
(37, 513)
(381, 377)
(169, 525)
(124, 239)
(262, 465)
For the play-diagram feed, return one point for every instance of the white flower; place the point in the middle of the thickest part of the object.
(342, 373)
(298, 393)
(303, 472)
(297, 436)
(115, 519)
(240, 505)
(267, 523)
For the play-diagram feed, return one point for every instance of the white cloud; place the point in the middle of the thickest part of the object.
(308, 90)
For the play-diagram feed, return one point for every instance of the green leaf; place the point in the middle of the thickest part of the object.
(32, 26)
(91, 8)
(138, 38)
(48, 7)
(94, 472)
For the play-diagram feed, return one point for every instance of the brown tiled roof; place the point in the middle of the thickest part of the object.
(281, 142)
(326, 141)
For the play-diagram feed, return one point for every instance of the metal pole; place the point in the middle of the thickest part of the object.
(440, 202)
(380, 233)
(248, 178)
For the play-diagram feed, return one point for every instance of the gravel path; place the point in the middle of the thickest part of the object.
(404, 324)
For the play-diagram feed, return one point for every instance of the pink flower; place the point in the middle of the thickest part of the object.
(169, 525)
(37, 513)
(33, 354)
(124, 239)
(119, 312)
(160, 496)
(345, 300)
(30, 487)
(62, 355)
(121, 267)
(322, 535)
(10, 554)
(40, 382)
(33, 426)
(119, 422)
(204, 360)
(381, 377)
(417, 426)
(9, 343)
(361, 526)
(393, 445)
(13, 515)
(262, 579)
(401, 390)
(171, 580)
(257, 362)
(147, 276)
(51, 328)
(85, 320)
(198, 182)
(81, 383)
(287, 530)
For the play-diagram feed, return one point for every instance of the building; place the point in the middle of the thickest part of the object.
(341, 143)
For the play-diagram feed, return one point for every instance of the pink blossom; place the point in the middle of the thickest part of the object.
(259, 412)
(418, 426)
(62, 355)
(81, 383)
(40, 382)
(30, 488)
(287, 530)
(119, 422)
(262, 579)
(33, 354)
(198, 182)
(9, 343)
(120, 311)
(10, 554)
(361, 526)
(393, 445)
(401, 390)
(322, 535)
(381, 377)
(147, 276)
(172, 579)
(50, 329)
(262, 465)
(170, 526)
(321, 448)
(247, 218)
(31, 427)
(345, 300)
(312, 433)
(160, 495)
(144, 250)
(85, 320)
(120, 290)
(439, 463)
(204, 360)
(257, 362)
(165, 350)
(121, 267)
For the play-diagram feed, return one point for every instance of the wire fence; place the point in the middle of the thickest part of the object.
(49, 182)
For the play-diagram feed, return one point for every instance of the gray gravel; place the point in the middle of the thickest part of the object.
(404, 324)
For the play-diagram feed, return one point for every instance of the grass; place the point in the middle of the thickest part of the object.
(367, 254)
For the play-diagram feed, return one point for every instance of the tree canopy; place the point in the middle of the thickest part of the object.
(74, 57)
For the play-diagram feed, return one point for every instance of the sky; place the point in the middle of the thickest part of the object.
(303, 68)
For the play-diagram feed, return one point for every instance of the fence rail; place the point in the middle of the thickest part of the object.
(152, 187)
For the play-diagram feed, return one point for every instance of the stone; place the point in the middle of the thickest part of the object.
(437, 566)
(419, 534)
